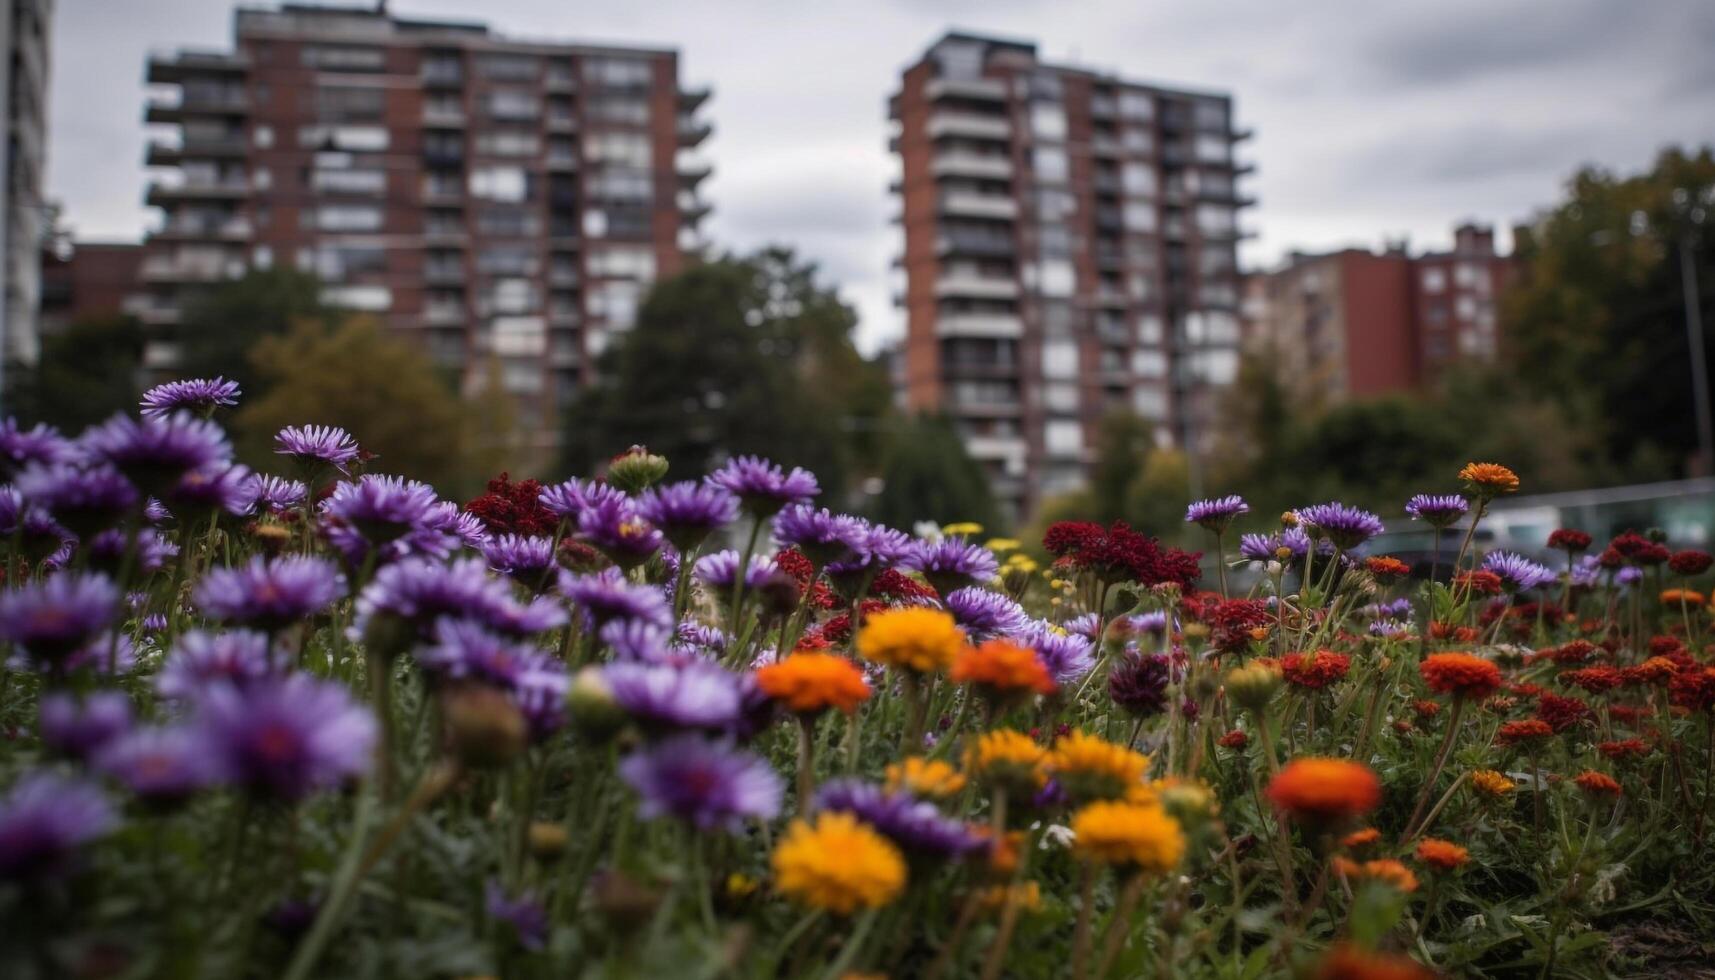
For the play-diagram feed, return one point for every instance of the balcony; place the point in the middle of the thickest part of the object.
(442, 74)
(223, 190)
(163, 153)
(694, 209)
(183, 227)
(444, 314)
(970, 285)
(1005, 449)
(171, 68)
(443, 273)
(170, 269)
(997, 326)
(991, 89)
(969, 125)
(152, 310)
(984, 166)
(692, 99)
(995, 247)
(962, 204)
(693, 132)
(441, 117)
(195, 102)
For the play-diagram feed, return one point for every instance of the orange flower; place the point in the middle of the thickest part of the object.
(810, 683)
(1315, 671)
(1442, 854)
(1528, 730)
(1350, 963)
(1597, 783)
(1655, 670)
(1673, 597)
(1385, 870)
(1460, 674)
(1005, 668)
(1492, 784)
(1387, 567)
(1360, 838)
(1489, 479)
(1324, 790)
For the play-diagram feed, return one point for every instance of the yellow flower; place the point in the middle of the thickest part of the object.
(741, 885)
(1188, 801)
(1020, 563)
(1491, 783)
(963, 529)
(1002, 544)
(925, 777)
(1143, 837)
(1009, 758)
(1026, 895)
(1489, 479)
(838, 864)
(911, 638)
(1095, 768)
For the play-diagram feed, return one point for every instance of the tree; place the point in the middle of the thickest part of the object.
(928, 475)
(740, 355)
(219, 330)
(86, 373)
(1123, 446)
(382, 390)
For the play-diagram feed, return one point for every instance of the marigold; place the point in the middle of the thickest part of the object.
(931, 778)
(1089, 767)
(838, 864)
(1027, 895)
(1528, 730)
(1443, 855)
(1384, 870)
(1360, 838)
(810, 683)
(1597, 783)
(911, 638)
(1003, 668)
(1350, 963)
(1008, 757)
(1489, 479)
(1460, 675)
(1673, 597)
(1143, 837)
(1324, 790)
(1492, 784)
(1314, 671)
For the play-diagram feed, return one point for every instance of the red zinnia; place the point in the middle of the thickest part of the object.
(1232, 622)
(1119, 554)
(1529, 730)
(1561, 713)
(1596, 783)
(1595, 680)
(1568, 539)
(513, 508)
(1387, 567)
(1235, 739)
(1689, 562)
(1694, 689)
(896, 586)
(1625, 749)
(1460, 674)
(1315, 670)
(1571, 652)
(1480, 582)
(1655, 670)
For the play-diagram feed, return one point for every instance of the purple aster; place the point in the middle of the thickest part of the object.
(20, 447)
(1084, 625)
(1347, 527)
(637, 639)
(1393, 609)
(540, 694)
(381, 508)
(285, 738)
(270, 593)
(109, 654)
(1067, 655)
(463, 650)
(1629, 575)
(606, 595)
(613, 525)
(357, 550)
(762, 487)
(522, 913)
(821, 535)
(317, 447)
(37, 533)
(106, 551)
(154, 454)
(1218, 513)
(44, 820)
(1389, 628)
(1519, 573)
(415, 592)
(719, 571)
(526, 560)
(695, 694)
(85, 500)
(1587, 572)
(1138, 684)
(1259, 547)
(199, 396)
(76, 727)
(984, 614)
(228, 488)
(569, 499)
(697, 637)
(917, 826)
(1438, 510)
(200, 660)
(949, 563)
(709, 785)
(161, 766)
(52, 619)
(468, 528)
(277, 494)
(878, 549)
(538, 615)
(688, 512)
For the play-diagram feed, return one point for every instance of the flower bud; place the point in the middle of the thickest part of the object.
(547, 840)
(484, 728)
(623, 901)
(636, 469)
(594, 711)
(1252, 686)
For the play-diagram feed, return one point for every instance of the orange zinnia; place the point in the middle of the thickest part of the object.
(1442, 854)
(1528, 730)
(1386, 567)
(809, 683)
(1325, 790)
(1385, 870)
(1460, 674)
(1597, 783)
(1350, 963)
(1005, 668)
(1489, 479)
(1360, 838)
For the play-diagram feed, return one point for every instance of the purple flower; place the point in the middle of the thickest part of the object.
(77, 728)
(696, 694)
(878, 549)
(466, 650)
(1587, 572)
(637, 639)
(762, 487)
(381, 508)
(37, 533)
(277, 494)
(1519, 573)
(417, 591)
(1393, 609)
(1346, 526)
(106, 551)
(1138, 684)
(569, 499)
(1629, 575)
(917, 826)
(160, 766)
(199, 396)
(606, 596)
(1067, 655)
(200, 660)
(109, 654)
(719, 571)
(1217, 514)
(468, 528)
(984, 614)
(270, 593)
(612, 524)
(227, 488)
(20, 447)
(707, 784)
(821, 535)
(525, 560)
(85, 500)
(317, 447)
(522, 913)
(1084, 625)
(1438, 510)
(687, 512)
(695, 636)
(52, 619)
(154, 454)
(948, 563)
(44, 820)
(288, 737)
(540, 694)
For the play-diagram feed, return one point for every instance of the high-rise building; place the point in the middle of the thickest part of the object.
(1355, 323)
(503, 202)
(88, 280)
(24, 28)
(1070, 251)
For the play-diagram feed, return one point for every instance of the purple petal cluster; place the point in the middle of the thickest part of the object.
(200, 660)
(317, 447)
(612, 524)
(820, 534)
(84, 499)
(522, 558)
(1347, 527)
(277, 494)
(154, 454)
(1138, 684)
(270, 593)
(1438, 510)
(707, 784)
(417, 591)
(916, 826)
(161, 766)
(567, 500)
(78, 727)
(606, 596)
(719, 571)
(199, 396)
(523, 914)
(20, 447)
(949, 563)
(984, 614)
(227, 488)
(687, 512)
(381, 508)
(1519, 573)
(286, 738)
(1216, 514)
(762, 487)
(45, 819)
(1067, 655)
(670, 697)
(52, 619)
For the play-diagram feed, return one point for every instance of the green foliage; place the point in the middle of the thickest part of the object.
(221, 328)
(740, 355)
(929, 476)
(85, 374)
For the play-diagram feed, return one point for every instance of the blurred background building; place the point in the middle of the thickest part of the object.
(87, 281)
(24, 29)
(506, 203)
(1069, 251)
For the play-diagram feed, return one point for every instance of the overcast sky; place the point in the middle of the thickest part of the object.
(1371, 119)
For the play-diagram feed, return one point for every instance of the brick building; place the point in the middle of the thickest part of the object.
(88, 280)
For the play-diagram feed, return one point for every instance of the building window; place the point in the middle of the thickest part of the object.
(1060, 360)
(1138, 179)
(1063, 437)
(350, 139)
(618, 72)
(507, 184)
(1139, 217)
(509, 67)
(1209, 114)
(1434, 280)
(1058, 278)
(621, 149)
(506, 103)
(508, 260)
(509, 143)
(1048, 121)
(633, 262)
(346, 103)
(1136, 105)
(372, 182)
(1050, 164)
(344, 57)
(619, 108)
(263, 137)
(616, 301)
(346, 217)
(1149, 364)
(368, 299)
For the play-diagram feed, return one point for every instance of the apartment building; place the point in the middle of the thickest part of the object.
(1070, 251)
(24, 32)
(505, 203)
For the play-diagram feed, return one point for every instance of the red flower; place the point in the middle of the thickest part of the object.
(1480, 582)
(1525, 689)
(1568, 539)
(1571, 652)
(1596, 783)
(513, 508)
(895, 586)
(1529, 730)
(1662, 646)
(1232, 621)
(1235, 740)
(1694, 690)
(1595, 680)
(1655, 670)
(1315, 671)
(1625, 714)
(1387, 567)
(1426, 708)
(1610, 558)
(793, 563)
(1622, 750)
(1689, 563)
(1324, 790)
(1561, 713)
(1460, 674)
(1119, 554)
(1458, 634)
